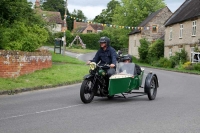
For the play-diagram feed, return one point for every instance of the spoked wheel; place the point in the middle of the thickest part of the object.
(86, 93)
(151, 87)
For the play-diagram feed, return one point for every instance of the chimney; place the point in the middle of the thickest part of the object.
(37, 4)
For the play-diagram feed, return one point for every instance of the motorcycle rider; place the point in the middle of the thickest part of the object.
(106, 55)
(129, 67)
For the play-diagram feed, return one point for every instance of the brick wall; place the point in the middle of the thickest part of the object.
(16, 63)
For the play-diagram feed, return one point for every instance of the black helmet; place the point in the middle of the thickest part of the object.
(105, 39)
(127, 57)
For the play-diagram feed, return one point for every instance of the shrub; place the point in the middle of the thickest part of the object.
(91, 40)
(179, 58)
(143, 50)
(134, 60)
(163, 62)
(22, 37)
(197, 66)
(188, 66)
(156, 51)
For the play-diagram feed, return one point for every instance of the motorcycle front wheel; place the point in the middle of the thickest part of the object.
(86, 92)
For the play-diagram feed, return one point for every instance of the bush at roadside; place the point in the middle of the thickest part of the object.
(197, 66)
(163, 62)
(188, 66)
(156, 51)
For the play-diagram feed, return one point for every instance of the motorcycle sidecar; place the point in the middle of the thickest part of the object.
(126, 81)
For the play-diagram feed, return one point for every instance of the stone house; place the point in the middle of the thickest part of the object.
(81, 27)
(183, 29)
(152, 28)
(53, 19)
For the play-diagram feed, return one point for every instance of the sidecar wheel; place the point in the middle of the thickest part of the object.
(86, 93)
(151, 87)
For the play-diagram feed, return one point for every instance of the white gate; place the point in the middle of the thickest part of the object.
(195, 57)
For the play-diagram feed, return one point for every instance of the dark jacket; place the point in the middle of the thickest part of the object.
(109, 56)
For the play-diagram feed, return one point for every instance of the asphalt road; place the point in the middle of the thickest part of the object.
(60, 110)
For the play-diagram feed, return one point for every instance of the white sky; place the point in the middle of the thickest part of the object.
(92, 8)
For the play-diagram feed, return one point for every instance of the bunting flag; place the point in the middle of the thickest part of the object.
(115, 26)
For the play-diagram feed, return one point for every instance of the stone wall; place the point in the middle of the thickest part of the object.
(187, 41)
(16, 63)
(158, 20)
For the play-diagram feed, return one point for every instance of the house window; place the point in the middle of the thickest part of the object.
(170, 33)
(89, 31)
(194, 27)
(154, 29)
(180, 49)
(170, 52)
(181, 31)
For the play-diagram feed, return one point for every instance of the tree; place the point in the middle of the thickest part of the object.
(107, 14)
(78, 14)
(20, 28)
(119, 37)
(11, 12)
(132, 12)
(55, 5)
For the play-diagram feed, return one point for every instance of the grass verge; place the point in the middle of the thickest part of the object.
(76, 50)
(65, 70)
(170, 69)
(82, 51)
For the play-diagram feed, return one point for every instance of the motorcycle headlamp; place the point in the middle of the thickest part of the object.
(93, 65)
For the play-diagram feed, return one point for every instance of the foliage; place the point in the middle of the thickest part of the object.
(163, 62)
(143, 50)
(188, 66)
(134, 59)
(20, 28)
(22, 37)
(69, 36)
(197, 66)
(119, 37)
(196, 49)
(179, 58)
(54, 5)
(91, 40)
(156, 51)
(132, 12)
(78, 14)
(107, 14)
(11, 12)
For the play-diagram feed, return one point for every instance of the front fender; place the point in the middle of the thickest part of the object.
(88, 76)
(148, 80)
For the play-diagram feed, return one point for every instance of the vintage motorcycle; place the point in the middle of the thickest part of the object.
(125, 81)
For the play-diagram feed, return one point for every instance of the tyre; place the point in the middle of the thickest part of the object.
(86, 93)
(151, 87)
